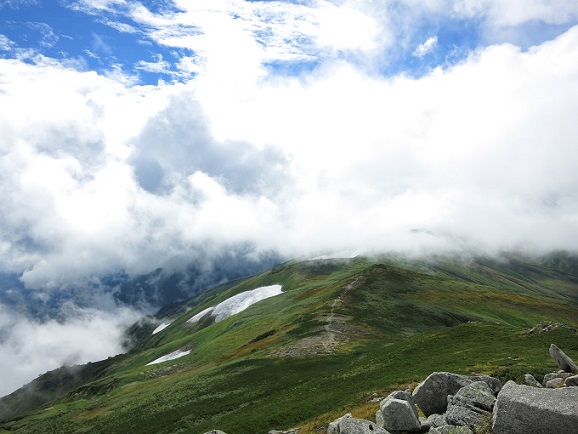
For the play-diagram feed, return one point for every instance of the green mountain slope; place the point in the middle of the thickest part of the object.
(342, 331)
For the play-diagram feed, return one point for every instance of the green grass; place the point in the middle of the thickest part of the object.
(256, 395)
(419, 318)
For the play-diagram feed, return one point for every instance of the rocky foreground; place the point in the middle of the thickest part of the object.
(460, 404)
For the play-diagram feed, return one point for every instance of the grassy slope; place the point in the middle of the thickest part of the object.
(419, 318)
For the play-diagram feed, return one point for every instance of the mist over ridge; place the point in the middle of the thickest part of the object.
(152, 150)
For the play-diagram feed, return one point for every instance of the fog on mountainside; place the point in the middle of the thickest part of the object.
(35, 323)
(152, 150)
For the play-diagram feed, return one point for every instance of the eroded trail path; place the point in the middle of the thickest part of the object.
(335, 325)
(334, 332)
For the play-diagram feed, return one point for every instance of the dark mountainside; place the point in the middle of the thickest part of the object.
(342, 333)
(159, 289)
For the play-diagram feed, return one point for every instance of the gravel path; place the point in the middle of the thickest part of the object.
(335, 331)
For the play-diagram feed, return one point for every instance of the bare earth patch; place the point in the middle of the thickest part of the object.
(335, 331)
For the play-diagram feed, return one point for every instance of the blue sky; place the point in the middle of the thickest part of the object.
(133, 36)
(135, 135)
(97, 41)
(141, 38)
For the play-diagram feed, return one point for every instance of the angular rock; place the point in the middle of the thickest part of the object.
(549, 377)
(291, 431)
(464, 414)
(494, 383)
(379, 421)
(399, 415)
(564, 362)
(530, 380)
(450, 429)
(555, 383)
(404, 396)
(435, 420)
(524, 409)
(431, 395)
(216, 431)
(477, 394)
(571, 381)
(350, 425)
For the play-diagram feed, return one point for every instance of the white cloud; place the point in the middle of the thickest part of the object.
(49, 38)
(516, 12)
(345, 28)
(6, 44)
(114, 177)
(17, 4)
(391, 155)
(31, 348)
(427, 47)
(96, 6)
(159, 65)
(99, 175)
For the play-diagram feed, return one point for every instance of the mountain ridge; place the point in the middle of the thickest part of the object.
(372, 311)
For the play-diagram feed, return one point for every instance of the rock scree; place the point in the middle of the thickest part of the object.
(463, 404)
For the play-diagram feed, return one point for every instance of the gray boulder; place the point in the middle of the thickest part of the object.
(461, 413)
(399, 415)
(404, 396)
(379, 421)
(477, 394)
(216, 431)
(450, 429)
(571, 381)
(494, 383)
(435, 420)
(555, 383)
(350, 425)
(530, 380)
(432, 394)
(471, 405)
(554, 375)
(524, 409)
(564, 362)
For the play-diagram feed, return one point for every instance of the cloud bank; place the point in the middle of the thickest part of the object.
(99, 177)
(303, 128)
(30, 348)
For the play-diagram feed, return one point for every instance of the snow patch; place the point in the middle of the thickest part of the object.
(172, 356)
(238, 303)
(339, 255)
(161, 327)
(195, 319)
(242, 301)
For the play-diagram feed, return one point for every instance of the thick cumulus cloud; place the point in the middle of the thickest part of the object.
(80, 196)
(99, 177)
(248, 147)
(480, 152)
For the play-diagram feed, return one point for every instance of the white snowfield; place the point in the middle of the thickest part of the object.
(172, 356)
(225, 309)
(340, 255)
(237, 303)
(161, 327)
(201, 314)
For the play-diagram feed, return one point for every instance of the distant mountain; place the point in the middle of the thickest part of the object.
(341, 333)
(165, 287)
(149, 292)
